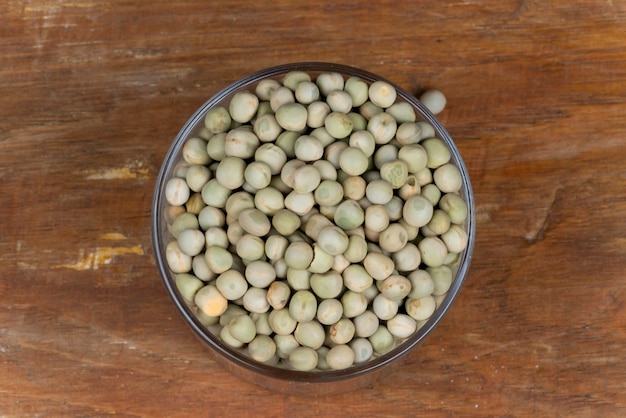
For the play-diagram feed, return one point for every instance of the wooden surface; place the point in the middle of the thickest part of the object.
(92, 94)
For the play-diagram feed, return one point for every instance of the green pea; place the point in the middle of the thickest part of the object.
(242, 328)
(303, 358)
(214, 194)
(354, 303)
(255, 300)
(299, 255)
(448, 178)
(272, 155)
(378, 265)
(187, 285)
(306, 179)
(328, 193)
(303, 306)
(357, 88)
(402, 326)
(278, 294)
(269, 200)
(262, 323)
(339, 101)
(232, 284)
(195, 151)
(356, 278)
(408, 258)
(365, 324)
(321, 358)
(243, 106)
(420, 308)
(215, 147)
(382, 94)
(333, 240)
(310, 334)
(434, 100)
(191, 241)
(379, 192)
(210, 217)
(369, 110)
(329, 311)
(353, 161)
(258, 174)
(384, 308)
(260, 273)
(211, 301)
(338, 124)
(442, 278)
(262, 348)
(326, 285)
(383, 127)
(437, 151)
(285, 345)
(363, 140)
(281, 96)
(317, 112)
(431, 192)
(227, 338)
(395, 172)
(241, 142)
(308, 148)
(176, 191)
(197, 176)
(382, 340)
(393, 238)
(340, 357)
(455, 206)
(433, 251)
(359, 122)
(281, 322)
(322, 261)
(201, 269)
(298, 279)
(307, 92)
(349, 215)
(394, 208)
(294, 78)
(342, 331)
(362, 349)
(329, 81)
(217, 120)
(218, 259)
(403, 112)
(356, 250)
(395, 287)
(417, 211)
(292, 116)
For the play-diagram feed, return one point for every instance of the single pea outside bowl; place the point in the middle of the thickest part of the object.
(191, 260)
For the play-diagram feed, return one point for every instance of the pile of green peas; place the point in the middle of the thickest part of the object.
(315, 222)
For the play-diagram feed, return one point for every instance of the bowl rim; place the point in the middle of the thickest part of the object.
(172, 157)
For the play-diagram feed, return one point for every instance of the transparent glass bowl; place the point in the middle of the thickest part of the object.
(275, 377)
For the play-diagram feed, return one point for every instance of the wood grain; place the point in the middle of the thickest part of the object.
(94, 92)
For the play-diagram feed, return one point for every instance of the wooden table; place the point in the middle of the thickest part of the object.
(94, 92)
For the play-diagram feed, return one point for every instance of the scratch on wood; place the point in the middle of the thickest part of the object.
(113, 236)
(536, 236)
(484, 211)
(134, 170)
(99, 257)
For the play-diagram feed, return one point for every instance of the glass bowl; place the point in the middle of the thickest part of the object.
(270, 375)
